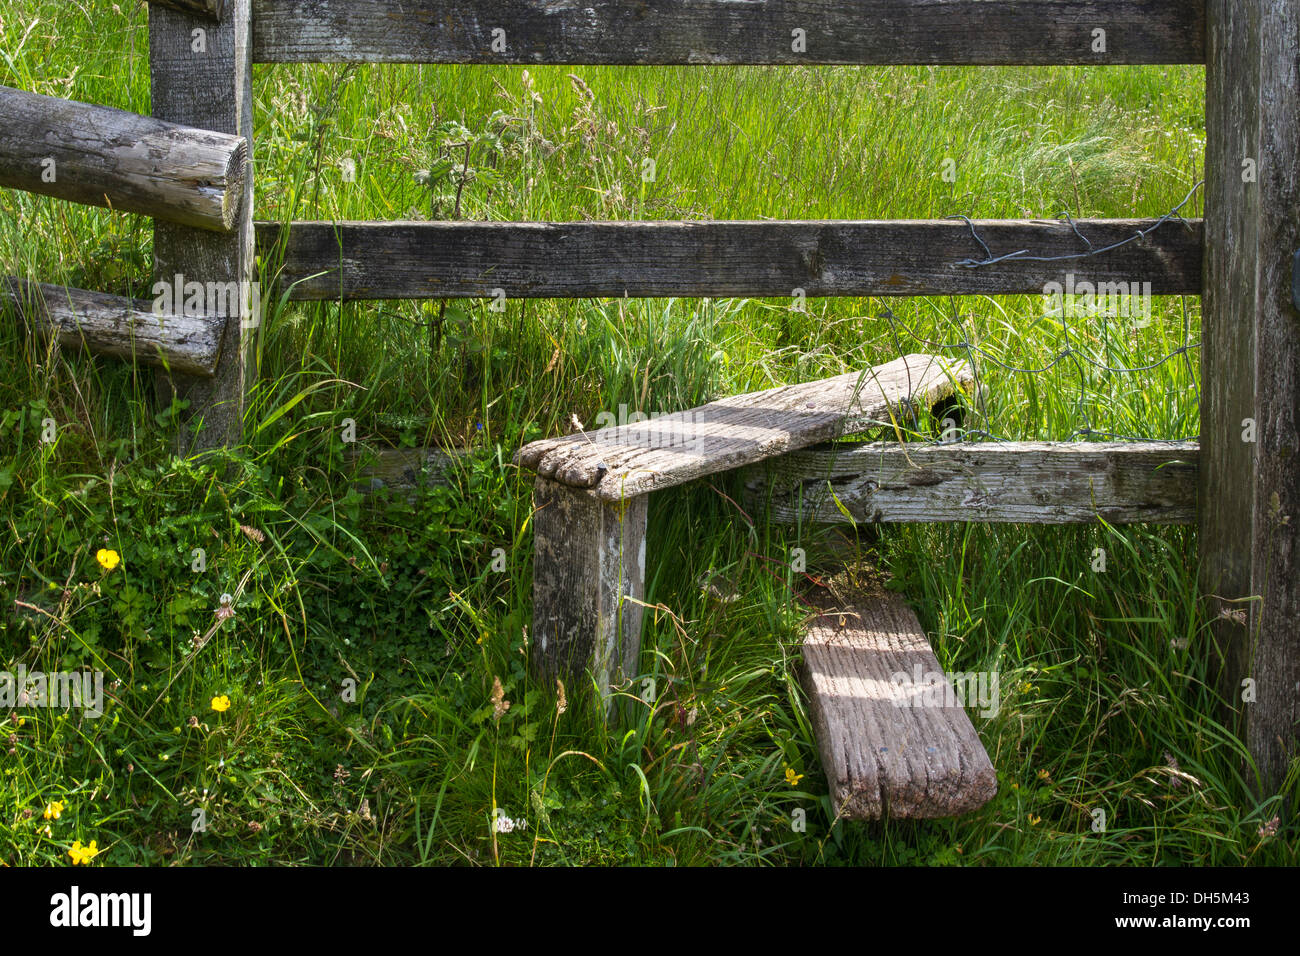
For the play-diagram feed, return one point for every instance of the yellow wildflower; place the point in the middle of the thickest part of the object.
(53, 810)
(108, 558)
(791, 777)
(221, 704)
(1034, 821)
(83, 854)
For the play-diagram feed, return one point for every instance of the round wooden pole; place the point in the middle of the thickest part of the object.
(107, 157)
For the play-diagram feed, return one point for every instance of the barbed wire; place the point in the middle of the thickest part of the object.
(1072, 352)
(1023, 254)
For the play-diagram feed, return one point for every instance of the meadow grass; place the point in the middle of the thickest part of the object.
(1105, 675)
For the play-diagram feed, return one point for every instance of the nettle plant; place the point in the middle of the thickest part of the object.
(464, 164)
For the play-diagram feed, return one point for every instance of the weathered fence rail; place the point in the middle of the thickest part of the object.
(1019, 482)
(370, 260)
(958, 32)
(116, 326)
(107, 157)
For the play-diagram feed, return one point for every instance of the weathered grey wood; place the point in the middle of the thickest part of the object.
(106, 157)
(729, 31)
(632, 459)
(1273, 721)
(407, 468)
(893, 736)
(213, 90)
(117, 326)
(1028, 482)
(209, 8)
(588, 557)
(373, 260)
(1228, 336)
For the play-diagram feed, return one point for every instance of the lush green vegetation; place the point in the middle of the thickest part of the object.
(1105, 675)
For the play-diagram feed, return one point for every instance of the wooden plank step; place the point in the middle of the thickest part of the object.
(639, 457)
(1024, 482)
(886, 748)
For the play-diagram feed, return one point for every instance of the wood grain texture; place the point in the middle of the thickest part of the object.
(1228, 338)
(107, 157)
(893, 738)
(212, 90)
(208, 8)
(1273, 722)
(588, 556)
(116, 326)
(372, 260)
(1028, 482)
(638, 457)
(729, 31)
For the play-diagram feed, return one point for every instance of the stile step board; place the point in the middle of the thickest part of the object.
(886, 750)
(622, 462)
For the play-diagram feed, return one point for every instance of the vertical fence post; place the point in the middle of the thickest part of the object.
(1273, 721)
(1228, 335)
(201, 75)
(1250, 459)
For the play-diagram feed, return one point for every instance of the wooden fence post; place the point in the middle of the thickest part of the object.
(1250, 482)
(1228, 337)
(201, 75)
(588, 558)
(1273, 722)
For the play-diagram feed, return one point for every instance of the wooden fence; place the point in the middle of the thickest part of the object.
(1242, 259)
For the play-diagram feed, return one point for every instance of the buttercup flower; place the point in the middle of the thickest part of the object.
(108, 558)
(791, 777)
(221, 704)
(83, 854)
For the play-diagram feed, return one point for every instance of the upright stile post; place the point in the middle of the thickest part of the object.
(1274, 719)
(201, 73)
(1250, 459)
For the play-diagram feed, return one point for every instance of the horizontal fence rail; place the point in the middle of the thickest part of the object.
(374, 260)
(116, 326)
(972, 32)
(107, 157)
(1013, 482)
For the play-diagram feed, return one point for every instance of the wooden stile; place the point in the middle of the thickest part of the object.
(116, 326)
(971, 32)
(398, 260)
(107, 157)
(209, 86)
(589, 520)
